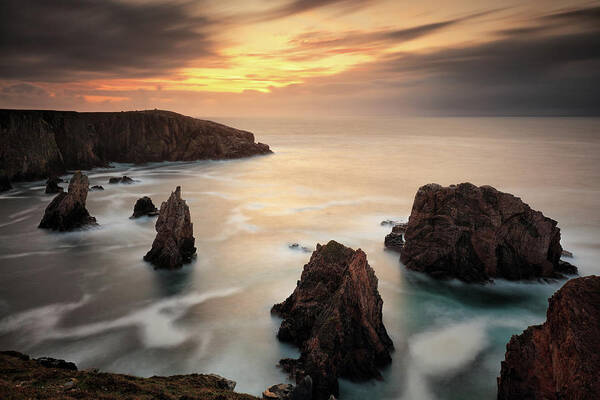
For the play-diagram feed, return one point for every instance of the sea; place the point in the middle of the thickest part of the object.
(88, 296)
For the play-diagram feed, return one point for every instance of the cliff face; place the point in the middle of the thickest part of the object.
(37, 144)
(335, 317)
(479, 233)
(46, 378)
(559, 359)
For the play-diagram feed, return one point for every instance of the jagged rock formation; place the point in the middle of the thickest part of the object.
(120, 179)
(144, 207)
(395, 239)
(174, 242)
(335, 317)
(67, 210)
(52, 185)
(96, 188)
(37, 144)
(25, 378)
(559, 359)
(479, 233)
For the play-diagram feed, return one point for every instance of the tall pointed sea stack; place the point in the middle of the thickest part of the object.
(67, 210)
(174, 242)
(335, 317)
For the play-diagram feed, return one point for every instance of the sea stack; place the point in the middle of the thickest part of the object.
(174, 242)
(144, 207)
(476, 234)
(67, 210)
(335, 317)
(559, 359)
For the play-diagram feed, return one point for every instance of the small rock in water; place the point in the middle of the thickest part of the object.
(388, 222)
(124, 179)
(566, 253)
(95, 188)
(52, 185)
(296, 246)
(144, 207)
(282, 391)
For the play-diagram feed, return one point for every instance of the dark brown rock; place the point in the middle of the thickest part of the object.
(37, 144)
(144, 207)
(50, 362)
(395, 239)
(559, 359)
(67, 210)
(285, 391)
(335, 317)
(96, 188)
(174, 242)
(52, 185)
(479, 233)
(120, 179)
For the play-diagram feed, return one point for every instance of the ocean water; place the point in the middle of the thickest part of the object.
(88, 296)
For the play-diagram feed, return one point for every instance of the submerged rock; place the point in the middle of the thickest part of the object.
(144, 207)
(174, 242)
(120, 179)
(52, 185)
(67, 210)
(479, 233)
(96, 188)
(559, 359)
(335, 317)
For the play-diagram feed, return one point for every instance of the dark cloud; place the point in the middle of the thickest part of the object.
(23, 89)
(66, 39)
(299, 6)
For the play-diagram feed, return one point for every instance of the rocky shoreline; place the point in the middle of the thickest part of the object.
(37, 144)
(22, 377)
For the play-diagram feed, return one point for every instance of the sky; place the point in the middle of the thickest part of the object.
(302, 58)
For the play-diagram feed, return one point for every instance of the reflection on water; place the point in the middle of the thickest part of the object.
(89, 297)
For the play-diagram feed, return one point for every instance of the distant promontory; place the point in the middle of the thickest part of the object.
(37, 144)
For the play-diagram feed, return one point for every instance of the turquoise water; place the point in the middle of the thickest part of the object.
(88, 297)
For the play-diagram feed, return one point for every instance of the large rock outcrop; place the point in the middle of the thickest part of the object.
(37, 144)
(479, 233)
(67, 210)
(45, 378)
(174, 242)
(335, 317)
(559, 359)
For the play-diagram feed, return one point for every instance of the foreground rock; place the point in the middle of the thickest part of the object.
(120, 179)
(25, 378)
(335, 317)
(38, 144)
(67, 210)
(285, 391)
(479, 233)
(174, 242)
(144, 207)
(559, 359)
(52, 185)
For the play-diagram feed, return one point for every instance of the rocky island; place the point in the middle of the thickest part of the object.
(39, 144)
(174, 242)
(67, 210)
(476, 234)
(46, 378)
(335, 317)
(559, 359)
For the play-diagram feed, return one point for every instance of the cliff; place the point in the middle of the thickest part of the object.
(559, 359)
(479, 233)
(38, 144)
(46, 378)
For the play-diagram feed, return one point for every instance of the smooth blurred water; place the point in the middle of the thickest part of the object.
(88, 297)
